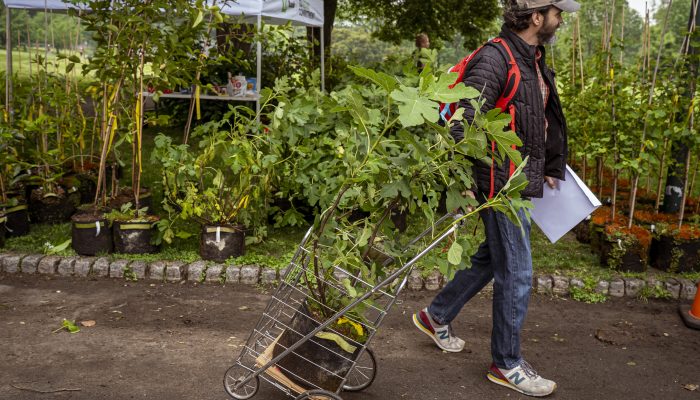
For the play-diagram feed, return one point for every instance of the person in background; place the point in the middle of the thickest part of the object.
(505, 256)
(422, 42)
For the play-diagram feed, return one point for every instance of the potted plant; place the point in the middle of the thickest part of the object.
(12, 204)
(676, 249)
(223, 183)
(133, 231)
(625, 249)
(49, 202)
(366, 158)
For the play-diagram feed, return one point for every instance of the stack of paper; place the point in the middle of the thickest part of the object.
(562, 208)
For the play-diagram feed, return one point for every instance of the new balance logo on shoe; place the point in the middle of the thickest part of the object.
(441, 334)
(516, 379)
(523, 379)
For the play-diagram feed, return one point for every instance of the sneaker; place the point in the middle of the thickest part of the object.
(441, 334)
(523, 379)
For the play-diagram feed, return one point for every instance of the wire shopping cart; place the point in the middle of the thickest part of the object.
(293, 351)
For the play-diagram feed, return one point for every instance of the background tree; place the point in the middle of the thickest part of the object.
(393, 21)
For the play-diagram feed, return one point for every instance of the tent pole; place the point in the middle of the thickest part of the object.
(8, 58)
(258, 81)
(323, 61)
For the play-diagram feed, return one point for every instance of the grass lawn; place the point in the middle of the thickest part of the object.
(22, 59)
(21, 62)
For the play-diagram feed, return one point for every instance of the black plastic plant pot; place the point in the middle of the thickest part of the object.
(617, 257)
(51, 208)
(3, 220)
(674, 255)
(583, 231)
(595, 234)
(91, 235)
(17, 223)
(317, 361)
(219, 243)
(134, 237)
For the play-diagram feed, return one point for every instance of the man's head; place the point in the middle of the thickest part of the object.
(540, 17)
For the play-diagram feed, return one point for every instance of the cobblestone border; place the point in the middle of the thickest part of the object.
(212, 273)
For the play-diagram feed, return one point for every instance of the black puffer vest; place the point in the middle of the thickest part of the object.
(487, 72)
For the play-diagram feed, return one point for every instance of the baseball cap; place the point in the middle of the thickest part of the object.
(564, 5)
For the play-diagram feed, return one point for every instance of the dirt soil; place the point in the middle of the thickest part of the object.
(175, 341)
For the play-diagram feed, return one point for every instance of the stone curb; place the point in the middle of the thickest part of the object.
(212, 273)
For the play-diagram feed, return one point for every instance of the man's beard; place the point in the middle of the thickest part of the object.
(546, 35)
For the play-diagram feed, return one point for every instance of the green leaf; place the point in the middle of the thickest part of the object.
(504, 141)
(218, 17)
(455, 200)
(387, 82)
(184, 234)
(414, 108)
(199, 19)
(74, 59)
(338, 340)
(410, 138)
(70, 326)
(454, 255)
(443, 93)
(364, 237)
(352, 292)
(392, 190)
(51, 249)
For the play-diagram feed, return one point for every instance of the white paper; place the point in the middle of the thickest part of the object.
(562, 208)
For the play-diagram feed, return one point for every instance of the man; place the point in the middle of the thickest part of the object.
(504, 256)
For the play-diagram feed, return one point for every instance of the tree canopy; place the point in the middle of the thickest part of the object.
(394, 21)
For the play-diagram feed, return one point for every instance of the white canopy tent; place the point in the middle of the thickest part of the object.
(298, 12)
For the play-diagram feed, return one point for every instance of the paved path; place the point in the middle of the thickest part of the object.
(174, 341)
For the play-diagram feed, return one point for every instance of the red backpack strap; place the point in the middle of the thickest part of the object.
(504, 104)
(512, 80)
(461, 67)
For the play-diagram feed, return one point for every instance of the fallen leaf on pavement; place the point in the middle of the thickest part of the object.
(631, 363)
(691, 387)
(88, 323)
(243, 308)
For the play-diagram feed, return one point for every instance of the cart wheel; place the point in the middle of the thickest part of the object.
(363, 374)
(318, 394)
(237, 373)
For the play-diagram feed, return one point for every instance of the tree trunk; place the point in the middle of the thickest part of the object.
(314, 34)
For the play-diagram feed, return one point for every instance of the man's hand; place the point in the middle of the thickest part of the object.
(551, 182)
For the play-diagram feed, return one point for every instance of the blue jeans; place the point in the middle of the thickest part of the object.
(505, 257)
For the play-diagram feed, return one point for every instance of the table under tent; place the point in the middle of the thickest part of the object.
(302, 13)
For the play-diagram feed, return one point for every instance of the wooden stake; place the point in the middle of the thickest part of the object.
(580, 52)
(19, 53)
(692, 180)
(659, 186)
(622, 34)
